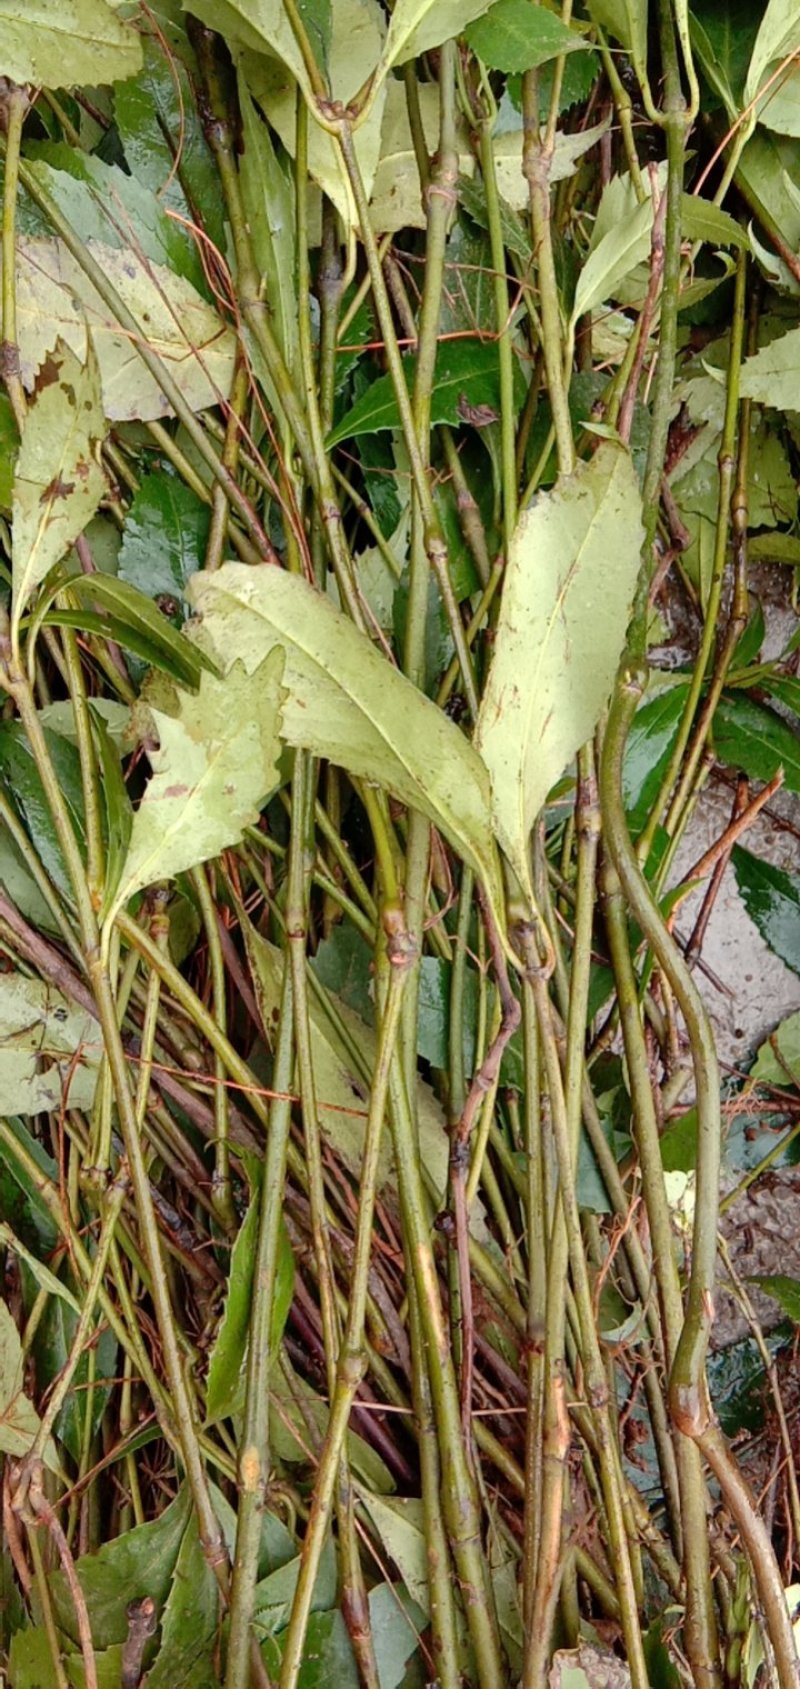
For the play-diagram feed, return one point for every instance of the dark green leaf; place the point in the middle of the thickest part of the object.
(514, 35)
(164, 538)
(150, 110)
(131, 640)
(738, 1383)
(647, 752)
(772, 900)
(226, 1383)
(679, 1144)
(20, 775)
(52, 1343)
(139, 1563)
(343, 963)
(515, 235)
(117, 804)
(785, 1291)
(134, 610)
(189, 1622)
(753, 738)
(397, 1624)
(466, 377)
(272, 1601)
(785, 688)
(9, 445)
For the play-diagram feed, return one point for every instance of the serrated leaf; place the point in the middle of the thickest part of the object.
(772, 900)
(771, 376)
(419, 25)
(55, 300)
(188, 1628)
(216, 763)
(570, 578)
(516, 36)
(347, 703)
(57, 43)
(164, 537)
(465, 376)
(701, 219)
(59, 481)
(19, 1421)
(50, 1048)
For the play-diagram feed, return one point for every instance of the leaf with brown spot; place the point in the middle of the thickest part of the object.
(59, 482)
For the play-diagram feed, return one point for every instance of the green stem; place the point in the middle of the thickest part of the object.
(16, 105)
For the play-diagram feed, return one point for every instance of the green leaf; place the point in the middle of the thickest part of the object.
(514, 35)
(772, 900)
(55, 300)
(138, 618)
(647, 751)
(19, 1421)
(785, 1291)
(701, 219)
(216, 763)
(58, 43)
(42, 1274)
(778, 1058)
(30, 1664)
(139, 1563)
(116, 803)
(615, 256)
(569, 583)
(59, 481)
(268, 199)
(626, 20)
(395, 199)
(225, 1389)
(264, 26)
(52, 1344)
(722, 38)
(22, 781)
(397, 1624)
(775, 547)
(357, 39)
(771, 376)
(466, 375)
(9, 446)
(50, 1048)
(777, 39)
(189, 1622)
(419, 25)
(102, 202)
(164, 538)
(400, 1526)
(753, 738)
(274, 1594)
(149, 110)
(347, 703)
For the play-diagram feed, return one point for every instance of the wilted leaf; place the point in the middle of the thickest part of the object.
(570, 578)
(19, 1421)
(347, 703)
(58, 482)
(50, 1049)
(56, 43)
(567, 151)
(215, 764)
(55, 300)
(514, 35)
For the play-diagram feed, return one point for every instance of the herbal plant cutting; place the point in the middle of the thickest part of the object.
(398, 533)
